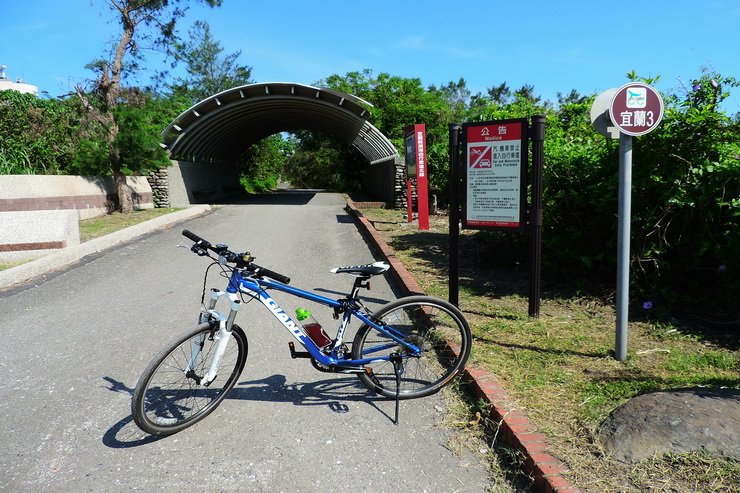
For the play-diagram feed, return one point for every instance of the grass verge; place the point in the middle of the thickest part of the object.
(103, 225)
(560, 368)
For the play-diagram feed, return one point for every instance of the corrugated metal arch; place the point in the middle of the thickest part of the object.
(220, 128)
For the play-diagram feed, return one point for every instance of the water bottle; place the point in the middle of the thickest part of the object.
(312, 328)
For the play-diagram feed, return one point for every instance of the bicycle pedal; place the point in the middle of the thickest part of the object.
(297, 354)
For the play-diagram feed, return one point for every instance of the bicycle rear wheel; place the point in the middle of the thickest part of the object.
(438, 328)
(168, 398)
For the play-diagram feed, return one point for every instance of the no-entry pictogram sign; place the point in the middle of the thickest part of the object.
(481, 156)
(636, 109)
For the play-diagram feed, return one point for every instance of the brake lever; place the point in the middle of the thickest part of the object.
(198, 250)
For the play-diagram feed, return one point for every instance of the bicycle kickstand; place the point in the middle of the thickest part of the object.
(398, 370)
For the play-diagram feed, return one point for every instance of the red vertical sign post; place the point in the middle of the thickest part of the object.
(415, 139)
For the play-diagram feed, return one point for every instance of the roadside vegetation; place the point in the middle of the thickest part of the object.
(560, 366)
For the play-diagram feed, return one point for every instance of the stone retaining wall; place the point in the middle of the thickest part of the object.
(159, 181)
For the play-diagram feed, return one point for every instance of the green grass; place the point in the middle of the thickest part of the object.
(101, 226)
(560, 367)
(10, 265)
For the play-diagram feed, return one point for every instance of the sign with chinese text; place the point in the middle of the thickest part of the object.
(636, 109)
(495, 174)
(410, 145)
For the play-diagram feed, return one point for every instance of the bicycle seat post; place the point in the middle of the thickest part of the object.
(360, 282)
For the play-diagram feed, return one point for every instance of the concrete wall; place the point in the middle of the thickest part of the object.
(32, 234)
(41, 213)
(383, 182)
(90, 196)
(201, 183)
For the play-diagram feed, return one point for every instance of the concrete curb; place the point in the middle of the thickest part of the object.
(67, 256)
(513, 425)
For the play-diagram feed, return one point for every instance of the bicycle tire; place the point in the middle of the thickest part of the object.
(436, 326)
(166, 400)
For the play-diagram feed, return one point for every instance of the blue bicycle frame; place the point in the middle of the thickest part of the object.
(256, 288)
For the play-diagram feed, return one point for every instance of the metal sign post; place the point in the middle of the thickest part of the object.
(535, 256)
(454, 190)
(623, 244)
(635, 109)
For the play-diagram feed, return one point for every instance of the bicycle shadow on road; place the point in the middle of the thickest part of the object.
(125, 434)
(331, 392)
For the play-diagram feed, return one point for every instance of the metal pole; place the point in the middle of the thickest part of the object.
(535, 258)
(623, 250)
(454, 185)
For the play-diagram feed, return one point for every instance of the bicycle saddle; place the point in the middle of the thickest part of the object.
(363, 270)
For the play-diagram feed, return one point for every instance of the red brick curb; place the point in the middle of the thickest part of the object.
(513, 425)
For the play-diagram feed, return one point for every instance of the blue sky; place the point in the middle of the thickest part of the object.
(554, 45)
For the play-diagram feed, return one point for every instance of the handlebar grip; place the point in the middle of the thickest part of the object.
(197, 239)
(272, 275)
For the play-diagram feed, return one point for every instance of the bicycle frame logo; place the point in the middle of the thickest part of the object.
(274, 308)
(280, 314)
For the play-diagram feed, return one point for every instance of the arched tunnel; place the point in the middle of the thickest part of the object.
(206, 141)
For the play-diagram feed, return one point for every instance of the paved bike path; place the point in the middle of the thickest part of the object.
(76, 343)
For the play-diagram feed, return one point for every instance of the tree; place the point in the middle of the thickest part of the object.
(457, 96)
(500, 94)
(263, 163)
(399, 102)
(143, 24)
(323, 161)
(209, 70)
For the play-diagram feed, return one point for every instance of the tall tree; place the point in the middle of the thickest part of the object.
(457, 95)
(143, 24)
(209, 70)
(500, 94)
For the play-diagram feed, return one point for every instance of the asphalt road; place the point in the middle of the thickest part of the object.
(74, 344)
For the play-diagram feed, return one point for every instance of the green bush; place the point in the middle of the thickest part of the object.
(38, 135)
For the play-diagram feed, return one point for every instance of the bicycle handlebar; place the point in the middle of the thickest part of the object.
(197, 239)
(235, 258)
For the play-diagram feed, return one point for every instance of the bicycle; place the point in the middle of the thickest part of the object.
(409, 348)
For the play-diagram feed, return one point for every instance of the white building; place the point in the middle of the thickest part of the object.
(18, 85)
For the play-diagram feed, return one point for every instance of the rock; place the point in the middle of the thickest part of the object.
(676, 421)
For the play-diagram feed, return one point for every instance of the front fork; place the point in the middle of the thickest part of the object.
(222, 335)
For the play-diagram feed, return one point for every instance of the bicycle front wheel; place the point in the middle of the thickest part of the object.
(436, 327)
(169, 396)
